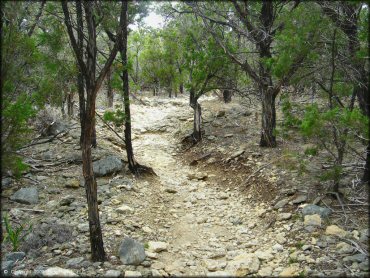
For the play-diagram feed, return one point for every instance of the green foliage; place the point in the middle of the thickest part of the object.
(289, 120)
(14, 235)
(116, 117)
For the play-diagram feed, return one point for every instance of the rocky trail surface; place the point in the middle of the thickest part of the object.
(185, 218)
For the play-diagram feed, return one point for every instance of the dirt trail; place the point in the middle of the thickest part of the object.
(204, 223)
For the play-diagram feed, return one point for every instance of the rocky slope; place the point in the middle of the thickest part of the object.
(192, 219)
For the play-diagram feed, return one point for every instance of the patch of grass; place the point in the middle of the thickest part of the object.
(292, 261)
(15, 234)
(146, 245)
(299, 245)
(302, 274)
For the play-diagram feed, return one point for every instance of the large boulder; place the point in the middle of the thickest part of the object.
(28, 196)
(107, 165)
(131, 252)
(314, 209)
(55, 128)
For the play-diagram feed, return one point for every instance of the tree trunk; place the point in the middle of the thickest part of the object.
(154, 91)
(109, 88)
(227, 95)
(181, 88)
(81, 101)
(126, 97)
(366, 176)
(268, 138)
(170, 93)
(197, 134)
(70, 103)
(96, 237)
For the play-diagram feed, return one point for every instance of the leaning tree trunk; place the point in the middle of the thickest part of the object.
(268, 138)
(109, 88)
(227, 95)
(126, 97)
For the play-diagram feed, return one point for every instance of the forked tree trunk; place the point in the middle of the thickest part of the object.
(268, 138)
(227, 95)
(109, 88)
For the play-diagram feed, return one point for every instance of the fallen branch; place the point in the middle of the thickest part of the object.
(32, 210)
(111, 128)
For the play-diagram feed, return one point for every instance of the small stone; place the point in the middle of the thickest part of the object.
(281, 203)
(15, 256)
(306, 247)
(312, 220)
(58, 272)
(129, 273)
(335, 230)
(28, 196)
(151, 255)
(107, 165)
(314, 209)
(131, 252)
(355, 258)
(277, 247)
(220, 114)
(157, 246)
(147, 230)
(299, 199)
(124, 209)
(265, 271)
(264, 255)
(284, 216)
(67, 200)
(344, 248)
(170, 190)
(72, 183)
(74, 262)
(84, 227)
(243, 264)
(113, 273)
(290, 271)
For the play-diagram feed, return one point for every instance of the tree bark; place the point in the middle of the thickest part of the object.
(96, 237)
(197, 133)
(126, 96)
(181, 88)
(70, 103)
(227, 95)
(109, 88)
(268, 138)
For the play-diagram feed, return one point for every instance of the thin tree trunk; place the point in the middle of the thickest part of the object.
(181, 88)
(197, 134)
(366, 176)
(70, 104)
(268, 138)
(109, 88)
(126, 96)
(227, 96)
